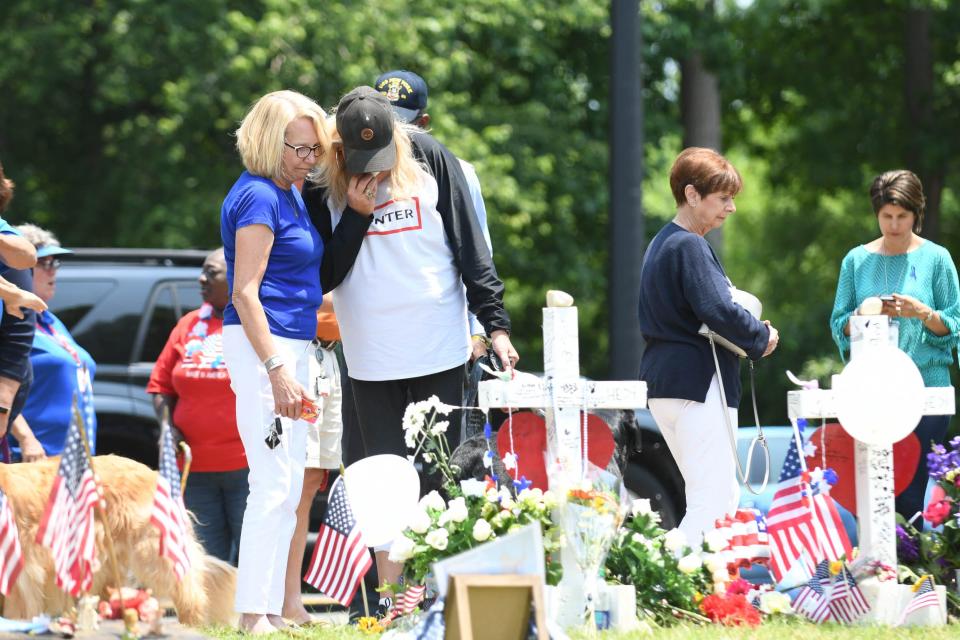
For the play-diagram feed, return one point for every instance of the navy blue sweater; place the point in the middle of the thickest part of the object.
(682, 285)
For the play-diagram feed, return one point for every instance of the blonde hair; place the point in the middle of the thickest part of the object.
(261, 136)
(404, 177)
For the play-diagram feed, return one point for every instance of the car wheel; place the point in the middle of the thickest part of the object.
(641, 483)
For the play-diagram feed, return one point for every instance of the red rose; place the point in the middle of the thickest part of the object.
(739, 587)
(937, 512)
(730, 610)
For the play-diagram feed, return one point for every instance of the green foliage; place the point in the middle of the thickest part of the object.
(639, 557)
(118, 115)
(118, 118)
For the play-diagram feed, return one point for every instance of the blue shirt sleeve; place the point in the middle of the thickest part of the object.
(257, 205)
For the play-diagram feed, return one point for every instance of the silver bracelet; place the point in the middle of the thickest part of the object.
(273, 362)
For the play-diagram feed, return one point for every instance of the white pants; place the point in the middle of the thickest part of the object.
(323, 437)
(276, 475)
(696, 434)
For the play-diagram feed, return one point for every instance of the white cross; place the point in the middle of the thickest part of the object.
(562, 394)
(876, 511)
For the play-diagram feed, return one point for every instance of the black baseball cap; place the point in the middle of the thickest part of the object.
(365, 124)
(406, 91)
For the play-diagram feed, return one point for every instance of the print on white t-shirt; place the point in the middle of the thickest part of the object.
(396, 217)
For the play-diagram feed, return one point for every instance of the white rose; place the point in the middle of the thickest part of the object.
(714, 563)
(458, 510)
(438, 539)
(641, 507)
(433, 501)
(473, 488)
(493, 495)
(689, 563)
(775, 602)
(420, 521)
(439, 427)
(715, 540)
(402, 549)
(533, 494)
(674, 540)
(433, 402)
(481, 530)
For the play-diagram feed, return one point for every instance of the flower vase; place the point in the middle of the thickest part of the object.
(589, 533)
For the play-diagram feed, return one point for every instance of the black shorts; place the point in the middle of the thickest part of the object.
(380, 406)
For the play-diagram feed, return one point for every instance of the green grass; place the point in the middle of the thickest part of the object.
(774, 630)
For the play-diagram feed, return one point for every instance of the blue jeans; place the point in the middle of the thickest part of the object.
(218, 499)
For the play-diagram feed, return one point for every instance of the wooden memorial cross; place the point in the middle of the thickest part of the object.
(562, 394)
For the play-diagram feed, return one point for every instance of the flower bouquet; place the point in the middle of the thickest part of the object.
(471, 512)
(590, 519)
(937, 551)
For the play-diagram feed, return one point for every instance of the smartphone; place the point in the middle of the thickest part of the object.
(886, 298)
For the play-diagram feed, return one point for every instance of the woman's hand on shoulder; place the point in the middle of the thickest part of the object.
(362, 193)
(773, 340)
(288, 394)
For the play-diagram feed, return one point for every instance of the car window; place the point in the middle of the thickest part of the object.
(163, 317)
(75, 298)
(188, 296)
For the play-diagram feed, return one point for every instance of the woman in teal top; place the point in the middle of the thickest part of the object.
(920, 279)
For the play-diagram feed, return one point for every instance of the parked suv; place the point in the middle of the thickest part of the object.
(120, 305)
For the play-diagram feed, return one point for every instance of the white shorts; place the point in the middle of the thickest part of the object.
(323, 437)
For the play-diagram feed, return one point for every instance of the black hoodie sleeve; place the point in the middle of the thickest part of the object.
(340, 245)
(470, 253)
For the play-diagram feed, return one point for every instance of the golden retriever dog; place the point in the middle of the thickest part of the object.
(203, 597)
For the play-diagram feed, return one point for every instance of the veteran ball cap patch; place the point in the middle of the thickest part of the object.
(365, 123)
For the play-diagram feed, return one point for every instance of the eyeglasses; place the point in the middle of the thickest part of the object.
(49, 264)
(304, 152)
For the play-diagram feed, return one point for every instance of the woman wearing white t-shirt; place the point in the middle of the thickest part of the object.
(398, 276)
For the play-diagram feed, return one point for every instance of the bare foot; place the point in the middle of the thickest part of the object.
(297, 614)
(256, 624)
(276, 621)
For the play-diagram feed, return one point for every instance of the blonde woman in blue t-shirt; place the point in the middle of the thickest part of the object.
(918, 281)
(273, 254)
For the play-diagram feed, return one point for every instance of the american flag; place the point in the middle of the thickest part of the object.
(67, 524)
(406, 602)
(11, 555)
(813, 600)
(169, 515)
(747, 539)
(847, 603)
(340, 556)
(409, 599)
(802, 528)
(925, 596)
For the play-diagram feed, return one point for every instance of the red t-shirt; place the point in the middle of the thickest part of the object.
(191, 368)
